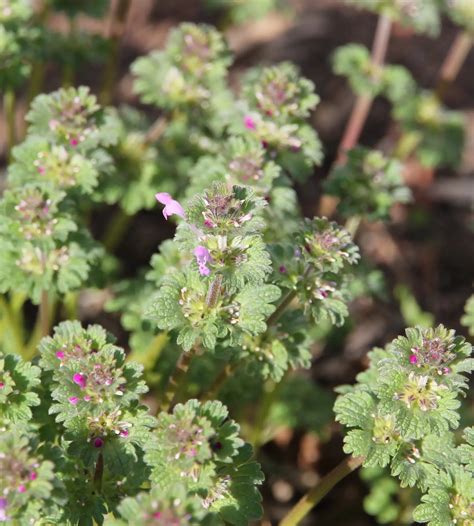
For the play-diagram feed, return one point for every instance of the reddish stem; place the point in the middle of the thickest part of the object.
(364, 102)
(453, 62)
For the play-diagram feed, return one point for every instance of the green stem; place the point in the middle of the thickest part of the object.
(44, 313)
(38, 68)
(70, 305)
(352, 225)
(175, 380)
(318, 492)
(69, 69)
(13, 325)
(117, 27)
(213, 392)
(9, 99)
(116, 229)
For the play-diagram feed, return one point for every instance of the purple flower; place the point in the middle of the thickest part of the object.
(171, 206)
(33, 475)
(124, 433)
(60, 355)
(80, 380)
(2, 385)
(203, 257)
(249, 122)
(413, 359)
(98, 442)
(74, 142)
(73, 400)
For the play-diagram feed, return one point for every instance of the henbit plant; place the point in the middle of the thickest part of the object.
(403, 413)
(228, 309)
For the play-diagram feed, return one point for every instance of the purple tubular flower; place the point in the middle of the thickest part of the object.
(73, 400)
(171, 206)
(79, 379)
(203, 257)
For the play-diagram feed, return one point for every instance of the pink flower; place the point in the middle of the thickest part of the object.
(87, 398)
(124, 433)
(203, 257)
(249, 122)
(2, 385)
(41, 170)
(171, 206)
(53, 124)
(21, 488)
(60, 355)
(413, 359)
(79, 379)
(73, 400)
(74, 142)
(33, 475)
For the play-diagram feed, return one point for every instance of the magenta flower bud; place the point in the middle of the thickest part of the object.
(79, 379)
(21, 488)
(203, 257)
(282, 269)
(124, 433)
(249, 122)
(413, 359)
(171, 206)
(73, 400)
(2, 385)
(157, 515)
(74, 142)
(41, 170)
(98, 442)
(33, 475)
(87, 398)
(60, 355)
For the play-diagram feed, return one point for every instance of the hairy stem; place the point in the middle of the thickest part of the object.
(453, 62)
(116, 30)
(116, 229)
(9, 109)
(175, 380)
(285, 302)
(38, 67)
(363, 103)
(320, 490)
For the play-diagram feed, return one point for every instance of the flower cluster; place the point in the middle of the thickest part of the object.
(462, 13)
(278, 101)
(420, 15)
(189, 71)
(25, 484)
(17, 40)
(95, 394)
(368, 185)
(436, 133)
(198, 445)
(210, 298)
(315, 268)
(45, 247)
(402, 412)
(355, 62)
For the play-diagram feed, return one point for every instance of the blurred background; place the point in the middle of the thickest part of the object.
(421, 263)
